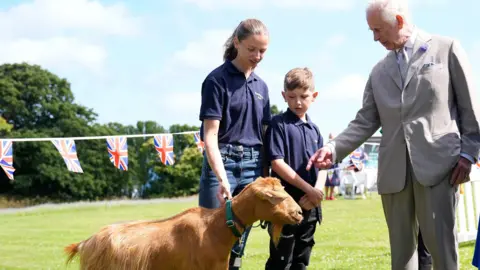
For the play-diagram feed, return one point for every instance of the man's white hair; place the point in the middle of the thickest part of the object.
(390, 9)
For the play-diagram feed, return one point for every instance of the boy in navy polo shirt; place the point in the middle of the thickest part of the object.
(291, 140)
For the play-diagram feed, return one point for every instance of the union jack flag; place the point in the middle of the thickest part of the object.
(6, 157)
(198, 141)
(358, 156)
(68, 151)
(164, 147)
(118, 152)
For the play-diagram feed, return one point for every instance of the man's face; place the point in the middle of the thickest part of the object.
(384, 32)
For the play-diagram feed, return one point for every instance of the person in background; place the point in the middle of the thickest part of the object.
(291, 139)
(235, 111)
(333, 178)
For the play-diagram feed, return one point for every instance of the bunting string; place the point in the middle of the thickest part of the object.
(117, 149)
(95, 137)
(116, 146)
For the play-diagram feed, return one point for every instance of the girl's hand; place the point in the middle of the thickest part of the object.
(224, 192)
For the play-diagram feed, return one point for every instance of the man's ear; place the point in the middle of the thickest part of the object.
(400, 21)
(275, 197)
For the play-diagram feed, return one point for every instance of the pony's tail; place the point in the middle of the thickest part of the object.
(71, 251)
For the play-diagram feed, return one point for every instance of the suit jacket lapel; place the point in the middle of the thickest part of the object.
(422, 41)
(391, 66)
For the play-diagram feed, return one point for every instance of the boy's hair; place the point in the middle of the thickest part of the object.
(299, 78)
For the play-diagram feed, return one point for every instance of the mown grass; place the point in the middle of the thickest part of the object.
(353, 235)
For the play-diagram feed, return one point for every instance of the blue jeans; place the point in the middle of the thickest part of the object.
(243, 165)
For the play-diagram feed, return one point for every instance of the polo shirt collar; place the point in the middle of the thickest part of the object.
(295, 119)
(231, 68)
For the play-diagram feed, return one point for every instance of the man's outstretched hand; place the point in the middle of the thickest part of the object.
(322, 159)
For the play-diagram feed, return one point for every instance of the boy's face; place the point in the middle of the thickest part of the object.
(299, 100)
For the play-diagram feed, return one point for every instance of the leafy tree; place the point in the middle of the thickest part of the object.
(38, 103)
(145, 151)
(5, 127)
(274, 110)
(183, 177)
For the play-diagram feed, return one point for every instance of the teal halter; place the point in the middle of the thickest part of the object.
(231, 219)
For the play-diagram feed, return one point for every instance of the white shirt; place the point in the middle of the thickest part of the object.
(409, 46)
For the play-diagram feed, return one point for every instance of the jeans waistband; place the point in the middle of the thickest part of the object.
(238, 149)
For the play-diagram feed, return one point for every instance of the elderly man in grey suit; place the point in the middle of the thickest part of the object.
(422, 95)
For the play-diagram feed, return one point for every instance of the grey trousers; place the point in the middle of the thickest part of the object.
(433, 209)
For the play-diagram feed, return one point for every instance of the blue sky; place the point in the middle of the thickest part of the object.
(146, 60)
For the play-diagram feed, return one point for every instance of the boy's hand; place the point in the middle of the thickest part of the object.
(315, 196)
(305, 203)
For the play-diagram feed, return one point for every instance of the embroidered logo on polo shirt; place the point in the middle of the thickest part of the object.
(258, 95)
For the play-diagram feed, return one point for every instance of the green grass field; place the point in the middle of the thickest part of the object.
(352, 236)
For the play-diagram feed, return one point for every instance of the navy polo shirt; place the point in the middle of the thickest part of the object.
(241, 104)
(295, 141)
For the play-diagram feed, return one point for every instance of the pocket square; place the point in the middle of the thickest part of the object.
(432, 64)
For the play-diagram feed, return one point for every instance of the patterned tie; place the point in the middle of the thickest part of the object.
(402, 58)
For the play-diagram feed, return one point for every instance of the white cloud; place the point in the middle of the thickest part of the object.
(182, 107)
(226, 4)
(425, 3)
(323, 5)
(51, 17)
(315, 4)
(60, 34)
(349, 87)
(204, 53)
(57, 52)
(335, 41)
(327, 5)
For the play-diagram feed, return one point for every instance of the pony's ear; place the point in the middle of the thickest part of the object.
(270, 189)
(275, 197)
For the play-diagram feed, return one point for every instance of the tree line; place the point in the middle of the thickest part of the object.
(35, 103)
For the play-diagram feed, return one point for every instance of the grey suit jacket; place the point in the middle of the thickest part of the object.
(433, 118)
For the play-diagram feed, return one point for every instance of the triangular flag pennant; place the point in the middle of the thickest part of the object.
(68, 151)
(198, 141)
(164, 147)
(6, 157)
(357, 157)
(118, 152)
(330, 173)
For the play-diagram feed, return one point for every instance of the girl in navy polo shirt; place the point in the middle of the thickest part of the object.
(234, 113)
